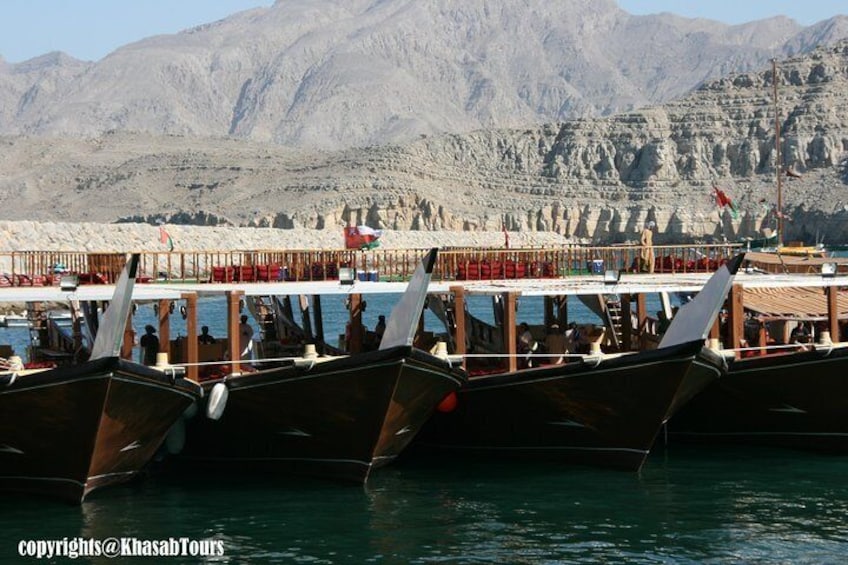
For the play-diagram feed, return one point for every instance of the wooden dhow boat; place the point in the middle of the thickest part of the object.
(791, 393)
(336, 417)
(603, 409)
(70, 430)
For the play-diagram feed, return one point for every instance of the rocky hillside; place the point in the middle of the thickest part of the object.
(594, 179)
(332, 74)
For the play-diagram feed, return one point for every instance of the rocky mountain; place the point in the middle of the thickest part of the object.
(333, 74)
(594, 179)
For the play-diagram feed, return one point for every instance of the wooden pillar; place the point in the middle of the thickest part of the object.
(550, 314)
(129, 339)
(832, 293)
(509, 330)
(641, 319)
(561, 304)
(715, 330)
(318, 316)
(307, 321)
(355, 336)
(736, 316)
(165, 327)
(626, 323)
(191, 335)
(233, 297)
(763, 338)
(459, 319)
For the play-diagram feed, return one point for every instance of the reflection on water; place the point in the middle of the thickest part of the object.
(687, 505)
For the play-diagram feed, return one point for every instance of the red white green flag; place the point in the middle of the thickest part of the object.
(165, 238)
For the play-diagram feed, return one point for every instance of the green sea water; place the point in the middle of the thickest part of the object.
(687, 505)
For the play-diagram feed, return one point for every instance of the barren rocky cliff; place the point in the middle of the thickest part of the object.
(594, 179)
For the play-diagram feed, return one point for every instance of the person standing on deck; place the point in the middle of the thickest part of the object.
(647, 242)
(245, 338)
(149, 345)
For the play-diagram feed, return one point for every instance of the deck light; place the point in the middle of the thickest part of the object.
(69, 283)
(347, 275)
(828, 270)
(612, 276)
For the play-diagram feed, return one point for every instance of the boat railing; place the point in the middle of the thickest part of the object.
(36, 268)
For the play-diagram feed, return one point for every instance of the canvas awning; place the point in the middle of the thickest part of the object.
(793, 303)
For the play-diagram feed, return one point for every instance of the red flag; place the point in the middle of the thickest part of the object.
(165, 238)
(722, 199)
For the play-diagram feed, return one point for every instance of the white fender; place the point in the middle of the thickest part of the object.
(175, 440)
(217, 401)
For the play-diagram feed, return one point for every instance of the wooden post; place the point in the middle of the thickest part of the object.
(191, 335)
(736, 316)
(626, 323)
(129, 339)
(833, 312)
(550, 315)
(459, 319)
(318, 316)
(641, 319)
(233, 297)
(165, 327)
(355, 336)
(509, 330)
(715, 331)
(561, 303)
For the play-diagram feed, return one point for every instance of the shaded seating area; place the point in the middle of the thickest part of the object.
(507, 269)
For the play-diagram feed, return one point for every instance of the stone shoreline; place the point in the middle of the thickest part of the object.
(96, 237)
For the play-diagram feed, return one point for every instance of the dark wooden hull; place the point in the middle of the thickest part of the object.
(604, 414)
(797, 400)
(71, 430)
(339, 419)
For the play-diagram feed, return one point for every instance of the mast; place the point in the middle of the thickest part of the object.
(777, 155)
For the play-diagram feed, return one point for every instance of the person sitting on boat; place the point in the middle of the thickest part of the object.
(149, 345)
(204, 337)
(526, 343)
(800, 334)
(556, 344)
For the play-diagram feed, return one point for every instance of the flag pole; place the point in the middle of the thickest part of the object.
(777, 154)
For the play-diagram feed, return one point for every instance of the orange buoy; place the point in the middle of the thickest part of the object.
(448, 403)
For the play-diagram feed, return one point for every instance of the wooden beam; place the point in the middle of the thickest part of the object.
(165, 327)
(561, 304)
(129, 339)
(354, 334)
(736, 316)
(641, 319)
(832, 293)
(509, 330)
(318, 316)
(626, 323)
(233, 297)
(191, 335)
(459, 319)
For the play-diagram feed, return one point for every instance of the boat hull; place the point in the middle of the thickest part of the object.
(69, 431)
(797, 400)
(338, 419)
(603, 414)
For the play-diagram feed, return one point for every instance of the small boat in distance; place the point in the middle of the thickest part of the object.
(337, 417)
(73, 429)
